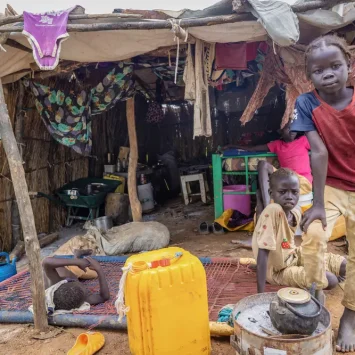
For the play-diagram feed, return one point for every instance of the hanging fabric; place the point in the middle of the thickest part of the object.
(45, 33)
(117, 85)
(189, 76)
(231, 56)
(202, 113)
(155, 113)
(67, 114)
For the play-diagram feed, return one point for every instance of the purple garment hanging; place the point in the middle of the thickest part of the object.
(46, 32)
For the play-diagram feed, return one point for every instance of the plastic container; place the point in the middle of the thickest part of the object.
(103, 223)
(168, 307)
(121, 187)
(109, 168)
(145, 195)
(7, 268)
(239, 203)
(339, 229)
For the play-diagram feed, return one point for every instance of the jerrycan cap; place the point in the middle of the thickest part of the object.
(294, 295)
(162, 263)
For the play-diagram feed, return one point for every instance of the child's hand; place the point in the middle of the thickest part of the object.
(313, 214)
(83, 264)
(93, 264)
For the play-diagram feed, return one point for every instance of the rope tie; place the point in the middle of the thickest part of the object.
(175, 27)
(274, 47)
(169, 58)
(119, 303)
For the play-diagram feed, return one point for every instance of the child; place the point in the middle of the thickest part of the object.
(292, 154)
(327, 116)
(64, 291)
(278, 260)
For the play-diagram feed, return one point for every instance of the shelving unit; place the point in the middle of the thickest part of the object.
(217, 163)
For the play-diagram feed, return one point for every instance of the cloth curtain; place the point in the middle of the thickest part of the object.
(67, 114)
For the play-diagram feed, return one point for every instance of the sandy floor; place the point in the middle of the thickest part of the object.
(183, 224)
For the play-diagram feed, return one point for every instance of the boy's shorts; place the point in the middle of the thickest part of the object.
(88, 274)
(294, 274)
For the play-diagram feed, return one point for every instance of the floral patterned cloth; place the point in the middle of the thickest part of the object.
(118, 85)
(67, 114)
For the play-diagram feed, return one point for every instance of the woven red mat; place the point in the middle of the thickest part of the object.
(227, 283)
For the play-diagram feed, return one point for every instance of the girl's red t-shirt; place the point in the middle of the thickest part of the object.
(337, 130)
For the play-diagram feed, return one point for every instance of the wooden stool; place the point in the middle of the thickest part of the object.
(186, 190)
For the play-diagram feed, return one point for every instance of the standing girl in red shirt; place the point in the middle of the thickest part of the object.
(327, 116)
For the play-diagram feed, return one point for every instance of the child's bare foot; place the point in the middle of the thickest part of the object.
(346, 335)
(332, 280)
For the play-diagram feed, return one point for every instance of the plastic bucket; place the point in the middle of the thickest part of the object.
(239, 203)
(145, 195)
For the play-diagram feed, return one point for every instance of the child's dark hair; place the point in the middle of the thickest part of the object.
(327, 41)
(69, 296)
(279, 174)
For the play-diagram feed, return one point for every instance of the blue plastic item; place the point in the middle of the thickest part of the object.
(7, 269)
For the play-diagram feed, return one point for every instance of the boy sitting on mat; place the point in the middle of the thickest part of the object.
(64, 292)
(279, 262)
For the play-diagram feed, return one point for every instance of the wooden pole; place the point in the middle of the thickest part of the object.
(19, 128)
(26, 215)
(238, 6)
(19, 18)
(146, 25)
(136, 206)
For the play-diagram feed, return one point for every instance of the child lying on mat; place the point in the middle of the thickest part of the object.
(278, 260)
(64, 292)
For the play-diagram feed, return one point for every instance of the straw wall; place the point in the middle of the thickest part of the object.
(48, 165)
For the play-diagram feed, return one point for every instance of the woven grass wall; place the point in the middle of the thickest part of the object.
(48, 165)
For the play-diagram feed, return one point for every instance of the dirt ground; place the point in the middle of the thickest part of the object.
(183, 225)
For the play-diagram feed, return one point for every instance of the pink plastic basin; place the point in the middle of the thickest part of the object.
(239, 203)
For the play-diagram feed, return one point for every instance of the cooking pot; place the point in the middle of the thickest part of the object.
(295, 311)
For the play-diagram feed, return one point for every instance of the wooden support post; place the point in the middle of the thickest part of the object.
(136, 206)
(19, 128)
(26, 215)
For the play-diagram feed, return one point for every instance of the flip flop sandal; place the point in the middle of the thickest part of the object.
(203, 228)
(87, 344)
(217, 228)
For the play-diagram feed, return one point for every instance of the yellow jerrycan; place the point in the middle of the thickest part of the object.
(166, 294)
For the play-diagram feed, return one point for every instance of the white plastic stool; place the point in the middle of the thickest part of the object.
(185, 186)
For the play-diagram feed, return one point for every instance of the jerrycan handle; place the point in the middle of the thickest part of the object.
(6, 255)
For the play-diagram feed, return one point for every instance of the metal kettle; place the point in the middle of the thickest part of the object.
(295, 311)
